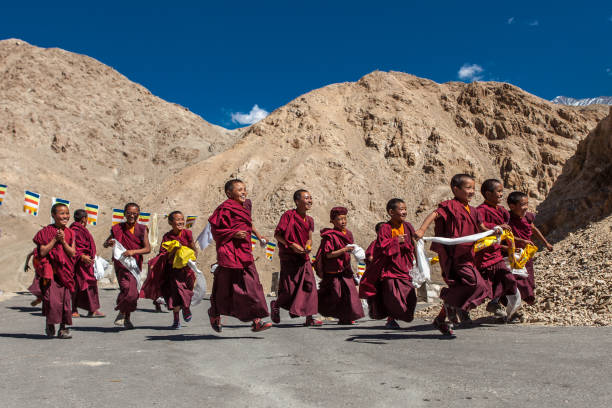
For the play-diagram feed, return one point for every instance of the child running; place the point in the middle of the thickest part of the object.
(55, 249)
(338, 296)
(297, 288)
(370, 250)
(466, 288)
(490, 261)
(523, 228)
(135, 239)
(236, 288)
(86, 285)
(386, 283)
(34, 288)
(174, 285)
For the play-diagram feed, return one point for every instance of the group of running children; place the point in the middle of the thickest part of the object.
(64, 257)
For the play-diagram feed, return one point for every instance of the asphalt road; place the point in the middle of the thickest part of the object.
(292, 366)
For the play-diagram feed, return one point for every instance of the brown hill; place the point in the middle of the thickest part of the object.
(583, 192)
(73, 127)
(389, 134)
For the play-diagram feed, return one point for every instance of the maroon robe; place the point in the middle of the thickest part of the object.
(174, 285)
(466, 287)
(127, 299)
(236, 290)
(56, 276)
(490, 261)
(296, 285)
(522, 228)
(387, 283)
(85, 294)
(338, 296)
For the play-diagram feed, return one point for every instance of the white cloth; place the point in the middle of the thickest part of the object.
(205, 238)
(357, 252)
(100, 267)
(129, 262)
(423, 274)
(199, 289)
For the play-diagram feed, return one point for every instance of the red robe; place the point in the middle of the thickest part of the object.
(86, 289)
(466, 287)
(338, 296)
(127, 299)
(175, 285)
(57, 276)
(522, 228)
(490, 261)
(387, 283)
(236, 290)
(296, 286)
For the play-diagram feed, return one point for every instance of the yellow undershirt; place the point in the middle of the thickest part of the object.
(467, 208)
(397, 231)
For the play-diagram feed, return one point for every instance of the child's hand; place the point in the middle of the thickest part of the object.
(549, 247)
(26, 267)
(401, 239)
(129, 252)
(418, 234)
(109, 243)
(60, 236)
(87, 259)
(296, 248)
(240, 235)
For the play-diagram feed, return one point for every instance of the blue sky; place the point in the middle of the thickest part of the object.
(222, 58)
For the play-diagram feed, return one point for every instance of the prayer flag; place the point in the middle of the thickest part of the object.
(117, 216)
(2, 193)
(56, 200)
(361, 267)
(270, 248)
(190, 221)
(254, 241)
(31, 202)
(92, 214)
(144, 218)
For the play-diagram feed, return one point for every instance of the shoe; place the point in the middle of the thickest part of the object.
(187, 314)
(516, 318)
(311, 321)
(97, 313)
(274, 312)
(50, 331)
(345, 322)
(496, 309)
(451, 314)
(127, 324)
(176, 325)
(260, 326)
(75, 314)
(465, 318)
(444, 328)
(392, 325)
(35, 302)
(215, 323)
(120, 320)
(158, 308)
(64, 334)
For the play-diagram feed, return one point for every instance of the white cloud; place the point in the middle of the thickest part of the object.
(470, 72)
(534, 23)
(510, 20)
(255, 115)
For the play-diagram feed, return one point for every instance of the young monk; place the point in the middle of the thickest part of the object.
(236, 288)
(86, 285)
(490, 261)
(370, 250)
(523, 228)
(35, 286)
(338, 296)
(174, 285)
(55, 249)
(297, 290)
(135, 239)
(387, 284)
(466, 288)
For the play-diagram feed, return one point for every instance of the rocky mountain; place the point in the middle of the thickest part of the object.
(566, 100)
(583, 192)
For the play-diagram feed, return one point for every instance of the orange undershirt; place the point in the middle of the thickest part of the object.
(132, 229)
(397, 231)
(467, 208)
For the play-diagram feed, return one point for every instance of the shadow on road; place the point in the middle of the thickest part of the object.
(190, 337)
(34, 311)
(23, 336)
(377, 338)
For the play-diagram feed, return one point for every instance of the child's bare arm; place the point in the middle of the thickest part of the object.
(421, 231)
(540, 236)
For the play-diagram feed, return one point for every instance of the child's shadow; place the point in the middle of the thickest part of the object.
(192, 337)
(34, 311)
